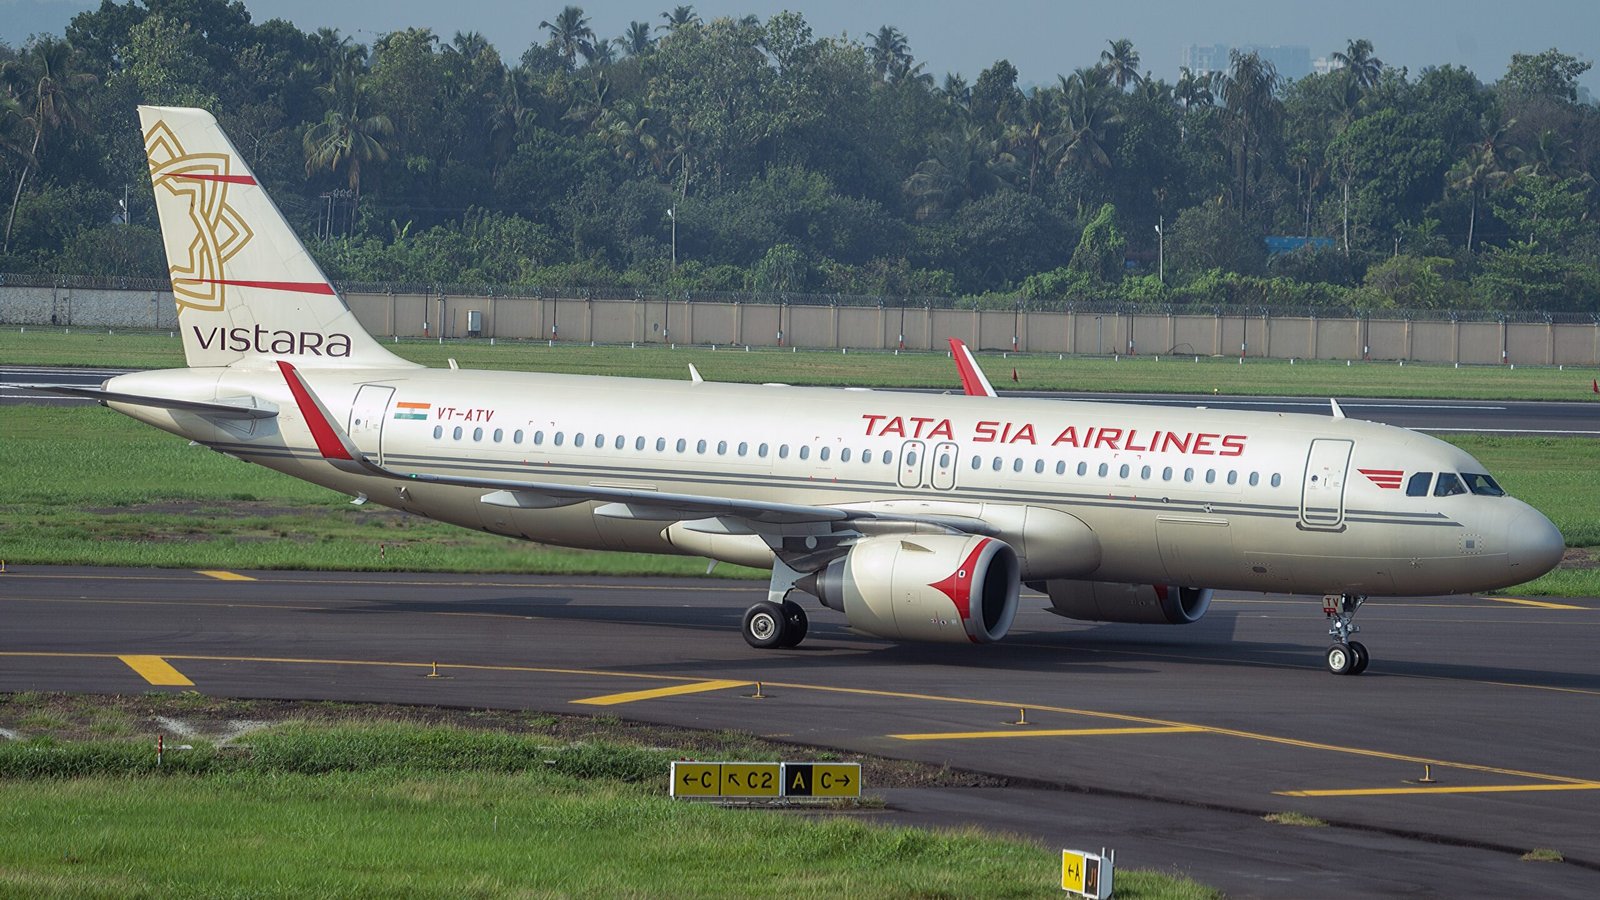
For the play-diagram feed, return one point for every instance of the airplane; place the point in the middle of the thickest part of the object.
(919, 517)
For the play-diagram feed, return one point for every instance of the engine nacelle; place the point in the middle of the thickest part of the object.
(1107, 601)
(942, 587)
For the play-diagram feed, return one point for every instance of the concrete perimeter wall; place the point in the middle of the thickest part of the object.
(874, 328)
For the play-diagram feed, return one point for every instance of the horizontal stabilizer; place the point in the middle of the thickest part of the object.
(202, 407)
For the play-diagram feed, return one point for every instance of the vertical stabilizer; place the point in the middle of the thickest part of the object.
(247, 290)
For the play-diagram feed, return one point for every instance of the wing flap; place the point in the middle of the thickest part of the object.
(212, 409)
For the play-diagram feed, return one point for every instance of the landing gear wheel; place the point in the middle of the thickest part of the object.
(1341, 659)
(795, 624)
(765, 625)
(1360, 651)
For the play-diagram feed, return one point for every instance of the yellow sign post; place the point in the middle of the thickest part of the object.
(696, 779)
(822, 779)
(752, 779)
(1087, 874)
(764, 781)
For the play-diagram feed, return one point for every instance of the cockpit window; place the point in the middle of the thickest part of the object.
(1418, 485)
(1449, 485)
(1482, 485)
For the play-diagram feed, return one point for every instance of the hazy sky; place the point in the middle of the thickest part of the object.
(1041, 39)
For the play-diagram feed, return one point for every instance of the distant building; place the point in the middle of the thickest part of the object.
(1291, 61)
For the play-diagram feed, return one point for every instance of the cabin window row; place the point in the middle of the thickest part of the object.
(1125, 471)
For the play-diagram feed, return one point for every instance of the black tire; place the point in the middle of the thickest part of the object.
(1340, 659)
(795, 624)
(765, 625)
(1360, 650)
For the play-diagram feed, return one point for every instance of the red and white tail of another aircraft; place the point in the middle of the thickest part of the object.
(913, 516)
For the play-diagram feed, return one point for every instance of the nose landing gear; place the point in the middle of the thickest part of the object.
(1345, 657)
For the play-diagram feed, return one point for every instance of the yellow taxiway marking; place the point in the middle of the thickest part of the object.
(1542, 604)
(675, 690)
(1007, 705)
(221, 575)
(156, 670)
(1469, 789)
(1053, 732)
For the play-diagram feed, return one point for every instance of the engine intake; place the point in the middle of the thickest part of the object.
(1107, 601)
(948, 588)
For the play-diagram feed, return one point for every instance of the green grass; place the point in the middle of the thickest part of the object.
(879, 369)
(82, 485)
(391, 809)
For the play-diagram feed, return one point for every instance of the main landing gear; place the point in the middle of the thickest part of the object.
(1345, 657)
(768, 624)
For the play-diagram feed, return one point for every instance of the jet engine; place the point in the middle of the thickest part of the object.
(1107, 601)
(948, 588)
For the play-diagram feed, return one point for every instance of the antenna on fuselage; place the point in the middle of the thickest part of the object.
(1337, 412)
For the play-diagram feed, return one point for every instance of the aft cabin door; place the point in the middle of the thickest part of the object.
(1322, 490)
(366, 418)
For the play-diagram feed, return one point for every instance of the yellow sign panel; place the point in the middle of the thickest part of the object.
(821, 779)
(692, 779)
(1086, 874)
(752, 779)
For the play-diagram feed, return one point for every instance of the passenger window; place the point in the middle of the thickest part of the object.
(1277, 480)
(638, 442)
(1166, 473)
(457, 433)
(1482, 485)
(822, 455)
(1123, 472)
(477, 434)
(844, 455)
(700, 446)
(1016, 464)
(1448, 485)
(621, 441)
(599, 442)
(538, 437)
(1211, 476)
(1083, 469)
(888, 457)
(1061, 468)
(1038, 467)
(761, 451)
(1233, 477)
(911, 459)
(722, 448)
(866, 456)
(1144, 473)
(438, 432)
(516, 436)
(783, 451)
(498, 434)
(1417, 485)
(744, 448)
(997, 464)
(1188, 475)
(977, 462)
(661, 445)
(577, 439)
(1104, 470)
(805, 451)
(682, 445)
(1255, 478)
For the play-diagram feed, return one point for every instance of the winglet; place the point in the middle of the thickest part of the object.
(973, 382)
(694, 375)
(1338, 412)
(334, 445)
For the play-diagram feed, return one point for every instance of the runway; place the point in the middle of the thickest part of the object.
(1436, 416)
(1165, 743)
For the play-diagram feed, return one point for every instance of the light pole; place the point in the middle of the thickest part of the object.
(673, 215)
(1161, 249)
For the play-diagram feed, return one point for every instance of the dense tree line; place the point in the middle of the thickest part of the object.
(736, 154)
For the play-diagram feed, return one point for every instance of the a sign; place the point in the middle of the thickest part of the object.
(1087, 874)
(821, 779)
(743, 780)
(752, 779)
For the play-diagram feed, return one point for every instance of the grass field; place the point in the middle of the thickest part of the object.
(385, 808)
(1145, 374)
(83, 485)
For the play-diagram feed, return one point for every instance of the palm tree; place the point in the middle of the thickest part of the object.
(45, 83)
(1359, 64)
(1249, 98)
(570, 33)
(679, 17)
(1194, 89)
(888, 52)
(1484, 169)
(1030, 135)
(1122, 61)
(956, 92)
(963, 167)
(1549, 155)
(599, 53)
(637, 40)
(1087, 114)
(347, 137)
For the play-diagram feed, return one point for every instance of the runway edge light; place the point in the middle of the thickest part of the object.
(1085, 874)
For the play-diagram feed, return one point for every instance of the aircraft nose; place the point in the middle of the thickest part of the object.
(1534, 544)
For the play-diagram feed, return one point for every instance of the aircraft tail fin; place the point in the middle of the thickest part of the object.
(248, 292)
(973, 382)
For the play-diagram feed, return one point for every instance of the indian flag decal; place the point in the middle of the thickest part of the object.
(405, 410)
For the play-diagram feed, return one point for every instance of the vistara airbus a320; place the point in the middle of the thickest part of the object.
(918, 517)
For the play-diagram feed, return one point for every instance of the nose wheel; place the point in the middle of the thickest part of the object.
(1345, 657)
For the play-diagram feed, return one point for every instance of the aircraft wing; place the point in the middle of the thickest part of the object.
(973, 381)
(619, 502)
(205, 408)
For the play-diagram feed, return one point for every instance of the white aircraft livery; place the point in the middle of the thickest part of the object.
(918, 517)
